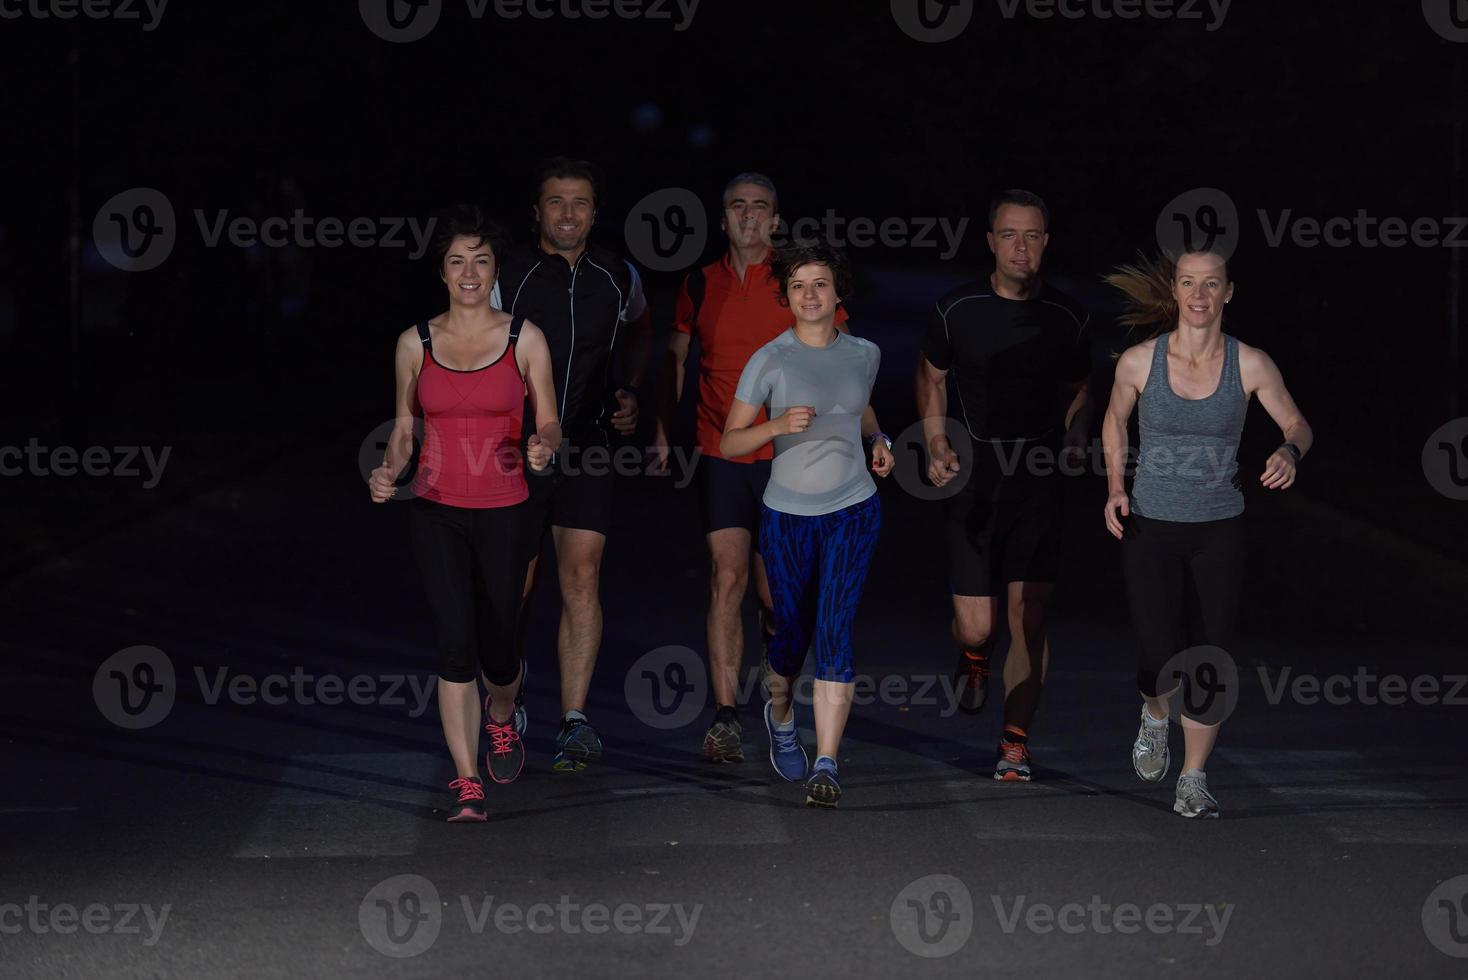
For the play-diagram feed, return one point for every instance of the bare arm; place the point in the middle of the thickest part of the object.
(1262, 378)
(1131, 378)
(534, 357)
(670, 393)
(742, 437)
(407, 361)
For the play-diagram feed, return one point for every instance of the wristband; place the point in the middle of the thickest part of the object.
(872, 440)
(1293, 450)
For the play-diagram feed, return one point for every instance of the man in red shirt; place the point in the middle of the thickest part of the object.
(734, 309)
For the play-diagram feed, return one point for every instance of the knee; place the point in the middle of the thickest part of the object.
(580, 579)
(727, 582)
(972, 636)
(1028, 614)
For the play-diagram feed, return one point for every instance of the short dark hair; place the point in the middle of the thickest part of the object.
(566, 168)
(750, 177)
(1023, 198)
(785, 261)
(468, 220)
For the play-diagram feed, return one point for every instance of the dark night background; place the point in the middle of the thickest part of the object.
(264, 370)
(263, 108)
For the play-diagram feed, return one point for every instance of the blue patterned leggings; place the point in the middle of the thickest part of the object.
(817, 566)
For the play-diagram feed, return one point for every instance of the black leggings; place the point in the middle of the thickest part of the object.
(473, 563)
(1183, 582)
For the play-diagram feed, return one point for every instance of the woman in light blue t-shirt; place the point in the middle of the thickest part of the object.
(820, 519)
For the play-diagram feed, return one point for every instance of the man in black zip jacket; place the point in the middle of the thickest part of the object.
(587, 302)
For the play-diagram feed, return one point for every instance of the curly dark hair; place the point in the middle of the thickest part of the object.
(785, 261)
(468, 220)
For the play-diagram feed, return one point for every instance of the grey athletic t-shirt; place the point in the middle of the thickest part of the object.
(823, 469)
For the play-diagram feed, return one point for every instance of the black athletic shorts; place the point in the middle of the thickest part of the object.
(1004, 524)
(575, 491)
(730, 494)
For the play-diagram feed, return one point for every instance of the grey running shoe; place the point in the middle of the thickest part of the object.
(1193, 798)
(723, 741)
(577, 746)
(522, 721)
(1149, 751)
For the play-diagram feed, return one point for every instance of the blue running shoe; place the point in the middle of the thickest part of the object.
(577, 746)
(824, 786)
(787, 755)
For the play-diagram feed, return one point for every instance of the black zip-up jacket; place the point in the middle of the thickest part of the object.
(580, 310)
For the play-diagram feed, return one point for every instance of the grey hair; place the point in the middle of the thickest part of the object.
(758, 180)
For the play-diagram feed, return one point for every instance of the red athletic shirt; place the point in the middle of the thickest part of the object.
(734, 320)
(471, 433)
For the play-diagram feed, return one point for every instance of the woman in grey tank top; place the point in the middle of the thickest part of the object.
(820, 519)
(1182, 526)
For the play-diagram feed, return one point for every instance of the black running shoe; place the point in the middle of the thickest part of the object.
(469, 807)
(506, 756)
(723, 742)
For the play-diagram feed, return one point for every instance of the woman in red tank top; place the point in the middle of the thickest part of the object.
(467, 374)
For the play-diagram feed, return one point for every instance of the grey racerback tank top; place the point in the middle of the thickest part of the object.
(1188, 469)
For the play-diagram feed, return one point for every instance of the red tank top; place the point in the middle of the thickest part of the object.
(471, 430)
